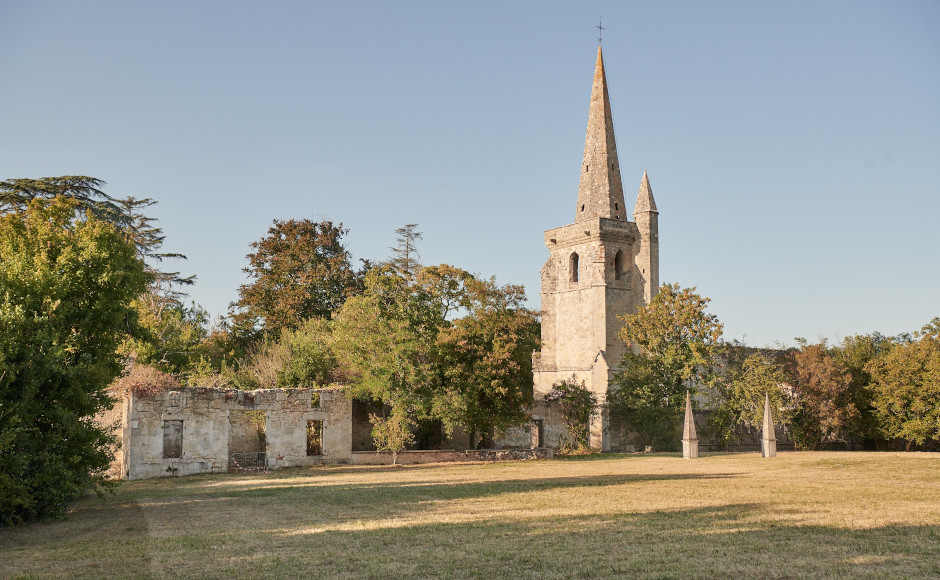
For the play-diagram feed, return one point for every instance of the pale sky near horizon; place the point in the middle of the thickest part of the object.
(793, 147)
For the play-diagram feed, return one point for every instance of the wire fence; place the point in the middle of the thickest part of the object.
(253, 461)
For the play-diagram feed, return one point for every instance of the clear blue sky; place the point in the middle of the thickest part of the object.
(793, 147)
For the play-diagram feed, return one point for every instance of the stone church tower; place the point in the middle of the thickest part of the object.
(601, 267)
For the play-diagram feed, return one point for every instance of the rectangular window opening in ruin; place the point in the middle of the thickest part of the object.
(314, 399)
(172, 439)
(314, 437)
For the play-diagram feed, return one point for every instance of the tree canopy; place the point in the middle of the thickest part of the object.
(673, 346)
(87, 192)
(402, 343)
(905, 384)
(822, 387)
(89, 196)
(68, 279)
(299, 270)
(738, 395)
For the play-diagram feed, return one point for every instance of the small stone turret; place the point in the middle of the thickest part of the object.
(647, 250)
(689, 437)
(768, 440)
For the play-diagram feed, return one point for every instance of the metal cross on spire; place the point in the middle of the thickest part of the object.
(600, 30)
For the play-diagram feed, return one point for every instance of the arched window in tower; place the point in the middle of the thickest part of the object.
(618, 265)
(574, 266)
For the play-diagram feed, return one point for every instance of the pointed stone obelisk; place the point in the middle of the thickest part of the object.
(768, 440)
(689, 438)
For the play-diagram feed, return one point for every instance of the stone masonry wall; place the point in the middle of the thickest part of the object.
(207, 429)
(580, 318)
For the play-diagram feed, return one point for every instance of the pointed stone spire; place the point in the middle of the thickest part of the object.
(689, 437)
(644, 198)
(646, 217)
(768, 441)
(600, 193)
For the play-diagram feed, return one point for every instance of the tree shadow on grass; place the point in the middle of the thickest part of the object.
(381, 530)
(41, 549)
(405, 494)
(330, 505)
(202, 522)
(724, 541)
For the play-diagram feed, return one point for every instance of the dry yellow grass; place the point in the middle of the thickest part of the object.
(812, 515)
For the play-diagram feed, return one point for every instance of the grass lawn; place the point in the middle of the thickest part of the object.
(831, 515)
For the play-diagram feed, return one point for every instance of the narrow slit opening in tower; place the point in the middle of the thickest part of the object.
(574, 267)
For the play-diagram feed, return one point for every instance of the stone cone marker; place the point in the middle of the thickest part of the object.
(768, 440)
(689, 438)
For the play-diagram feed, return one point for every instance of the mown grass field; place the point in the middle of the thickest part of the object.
(801, 515)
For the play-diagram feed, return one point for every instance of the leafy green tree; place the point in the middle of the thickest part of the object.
(67, 282)
(383, 360)
(386, 341)
(312, 362)
(169, 330)
(437, 344)
(393, 433)
(486, 359)
(382, 355)
(578, 405)
(89, 196)
(906, 387)
(87, 192)
(297, 358)
(855, 353)
(299, 270)
(822, 387)
(673, 346)
(171, 335)
(738, 397)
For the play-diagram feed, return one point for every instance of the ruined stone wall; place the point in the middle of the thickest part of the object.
(207, 434)
(546, 428)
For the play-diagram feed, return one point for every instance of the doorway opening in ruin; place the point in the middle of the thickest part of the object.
(537, 433)
(247, 441)
(314, 438)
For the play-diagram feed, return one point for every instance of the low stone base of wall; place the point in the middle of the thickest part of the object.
(508, 454)
(405, 457)
(449, 456)
(174, 468)
(743, 448)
